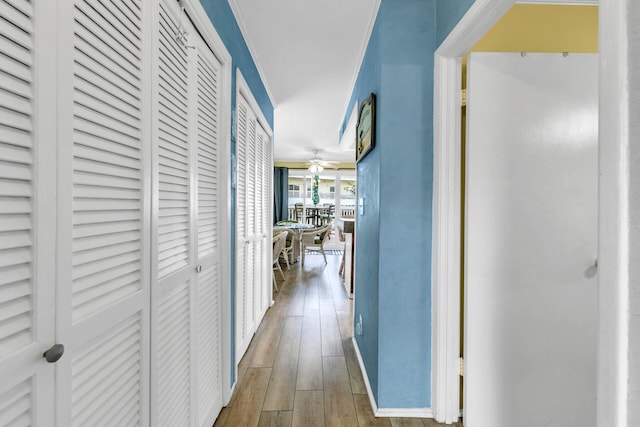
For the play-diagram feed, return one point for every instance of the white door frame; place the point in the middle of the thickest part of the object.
(480, 17)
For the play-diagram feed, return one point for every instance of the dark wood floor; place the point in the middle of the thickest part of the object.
(301, 368)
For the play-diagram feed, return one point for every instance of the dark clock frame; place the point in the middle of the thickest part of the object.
(366, 142)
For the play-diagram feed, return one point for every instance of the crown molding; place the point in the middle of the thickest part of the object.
(363, 49)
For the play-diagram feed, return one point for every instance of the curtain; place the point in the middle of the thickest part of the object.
(280, 194)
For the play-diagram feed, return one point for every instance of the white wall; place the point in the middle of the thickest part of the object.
(619, 228)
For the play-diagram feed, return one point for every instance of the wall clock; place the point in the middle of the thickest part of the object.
(365, 129)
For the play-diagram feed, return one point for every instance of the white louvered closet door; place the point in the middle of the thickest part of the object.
(253, 211)
(242, 331)
(172, 338)
(265, 201)
(252, 270)
(208, 288)
(27, 228)
(186, 300)
(103, 211)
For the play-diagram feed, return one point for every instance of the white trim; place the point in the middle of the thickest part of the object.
(242, 87)
(361, 53)
(367, 384)
(205, 27)
(348, 138)
(244, 29)
(480, 17)
(387, 412)
(404, 412)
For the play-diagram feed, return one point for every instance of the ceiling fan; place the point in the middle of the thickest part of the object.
(317, 165)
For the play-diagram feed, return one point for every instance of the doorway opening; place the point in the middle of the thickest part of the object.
(448, 204)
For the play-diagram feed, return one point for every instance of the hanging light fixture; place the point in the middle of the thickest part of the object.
(315, 168)
(314, 163)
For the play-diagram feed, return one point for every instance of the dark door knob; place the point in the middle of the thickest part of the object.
(54, 353)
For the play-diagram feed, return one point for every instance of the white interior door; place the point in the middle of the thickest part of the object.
(208, 287)
(102, 214)
(244, 260)
(253, 216)
(172, 296)
(531, 297)
(187, 320)
(27, 227)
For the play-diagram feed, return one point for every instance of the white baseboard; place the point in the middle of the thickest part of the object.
(387, 412)
(372, 399)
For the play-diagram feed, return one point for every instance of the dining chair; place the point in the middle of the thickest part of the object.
(299, 211)
(289, 247)
(327, 214)
(314, 240)
(279, 241)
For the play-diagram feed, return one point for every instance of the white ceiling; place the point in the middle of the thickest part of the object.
(308, 54)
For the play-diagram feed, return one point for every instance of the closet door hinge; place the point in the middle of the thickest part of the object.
(463, 98)
(461, 364)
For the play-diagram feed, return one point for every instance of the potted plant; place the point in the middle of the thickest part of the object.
(315, 198)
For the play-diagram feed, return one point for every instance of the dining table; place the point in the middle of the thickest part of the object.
(297, 228)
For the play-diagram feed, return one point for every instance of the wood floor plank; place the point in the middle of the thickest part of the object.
(339, 409)
(267, 340)
(355, 374)
(282, 385)
(345, 323)
(365, 413)
(312, 298)
(296, 301)
(222, 417)
(275, 419)
(308, 410)
(406, 422)
(310, 360)
(247, 406)
(330, 332)
(338, 291)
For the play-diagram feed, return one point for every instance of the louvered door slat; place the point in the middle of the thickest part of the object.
(26, 233)
(16, 184)
(109, 35)
(174, 199)
(241, 229)
(103, 158)
(208, 308)
(207, 162)
(104, 372)
(209, 349)
(16, 44)
(174, 359)
(106, 152)
(16, 405)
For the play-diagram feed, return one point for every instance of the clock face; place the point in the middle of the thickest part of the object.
(365, 129)
(365, 122)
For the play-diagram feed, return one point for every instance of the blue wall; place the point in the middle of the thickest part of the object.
(394, 236)
(368, 178)
(449, 13)
(225, 24)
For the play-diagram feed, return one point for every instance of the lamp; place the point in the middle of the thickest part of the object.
(315, 168)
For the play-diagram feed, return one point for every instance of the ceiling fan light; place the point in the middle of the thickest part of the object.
(315, 168)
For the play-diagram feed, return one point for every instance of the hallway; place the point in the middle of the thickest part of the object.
(301, 368)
